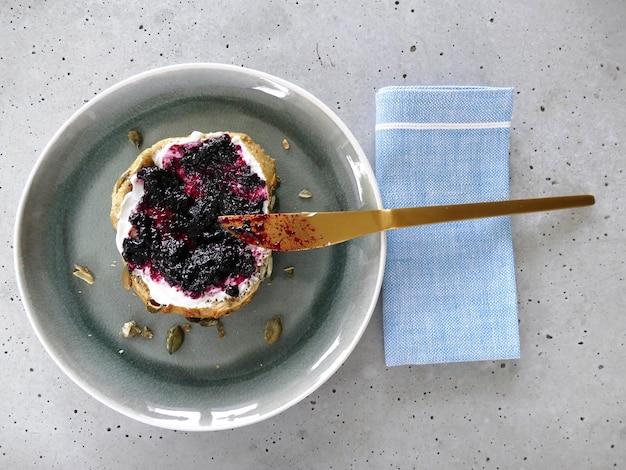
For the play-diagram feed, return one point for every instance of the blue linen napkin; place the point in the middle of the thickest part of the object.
(449, 290)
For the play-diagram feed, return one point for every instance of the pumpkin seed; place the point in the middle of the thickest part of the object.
(273, 329)
(174, 339)
(81, 272)
(130, 329)
(220, 329)
(147, 333)
(289, 270)
(305, 194)
(153, 306)
(135, 138)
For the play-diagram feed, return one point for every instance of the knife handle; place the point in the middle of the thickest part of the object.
(408, 217)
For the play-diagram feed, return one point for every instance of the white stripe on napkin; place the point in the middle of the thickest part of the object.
(442, 125)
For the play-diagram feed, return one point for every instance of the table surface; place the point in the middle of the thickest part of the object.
(560, 406)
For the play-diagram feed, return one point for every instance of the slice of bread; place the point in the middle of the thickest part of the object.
(226, 304)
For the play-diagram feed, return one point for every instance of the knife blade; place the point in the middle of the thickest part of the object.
(308, 230)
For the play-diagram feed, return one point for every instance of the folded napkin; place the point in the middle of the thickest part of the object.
(449, 289)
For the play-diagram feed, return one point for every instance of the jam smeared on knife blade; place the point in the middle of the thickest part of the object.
(176, 234)
(277, 232)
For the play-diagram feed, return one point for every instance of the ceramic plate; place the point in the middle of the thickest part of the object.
(209, 383)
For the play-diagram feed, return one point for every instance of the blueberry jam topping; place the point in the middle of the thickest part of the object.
(176, 236)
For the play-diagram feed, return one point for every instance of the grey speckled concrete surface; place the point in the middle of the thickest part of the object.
(560, 406)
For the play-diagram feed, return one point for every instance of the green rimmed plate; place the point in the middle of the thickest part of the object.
(209, 383)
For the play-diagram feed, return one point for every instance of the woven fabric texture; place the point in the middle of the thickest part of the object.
(449, 290)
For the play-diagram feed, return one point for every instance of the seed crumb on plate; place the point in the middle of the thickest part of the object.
(135, 138)
(81, 272)
(130, 329)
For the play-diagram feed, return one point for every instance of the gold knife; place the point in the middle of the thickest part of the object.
(307, 230)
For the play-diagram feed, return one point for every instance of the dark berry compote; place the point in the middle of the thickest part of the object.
(175, 238)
